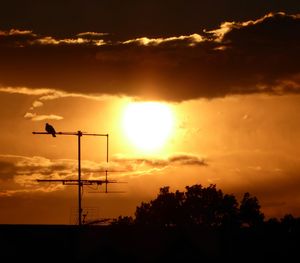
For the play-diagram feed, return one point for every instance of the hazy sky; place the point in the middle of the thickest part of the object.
(228, 71)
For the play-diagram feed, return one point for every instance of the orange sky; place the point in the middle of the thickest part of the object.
(233, 92)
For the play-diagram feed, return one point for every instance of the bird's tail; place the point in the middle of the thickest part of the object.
(53, 135)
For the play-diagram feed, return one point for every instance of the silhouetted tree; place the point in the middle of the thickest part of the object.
(199, 205)
(165, 210)
(230, 211)
(210, 207)
(290, 223)
(203, 204)
(250, 214)
(143, 214)
(272, 223)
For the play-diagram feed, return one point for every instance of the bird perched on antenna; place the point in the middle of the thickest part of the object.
(50, 129)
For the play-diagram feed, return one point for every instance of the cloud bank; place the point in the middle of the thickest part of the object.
(254, 56)
(21, 172)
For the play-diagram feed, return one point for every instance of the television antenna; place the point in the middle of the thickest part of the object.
(79, 181)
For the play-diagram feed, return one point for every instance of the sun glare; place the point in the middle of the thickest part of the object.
(148, 124)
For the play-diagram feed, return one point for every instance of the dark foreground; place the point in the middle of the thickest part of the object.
(56, 243)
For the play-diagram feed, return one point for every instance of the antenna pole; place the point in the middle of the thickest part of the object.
(79, 134)
(78, 181)
(106, 161)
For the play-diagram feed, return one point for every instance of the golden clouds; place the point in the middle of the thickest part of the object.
(191, 40)
(253, 56)
(37, 117)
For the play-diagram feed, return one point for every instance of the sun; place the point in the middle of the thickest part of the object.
(148, 125)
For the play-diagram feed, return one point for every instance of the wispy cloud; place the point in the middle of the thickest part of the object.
(69, 41)
(47, 95)
(191, 39)
(37, 189)
(37, 117)
(17, 32)
(92, 34)
(50, 94)
(36, 104)
(26, 91)
(173, 160)
(21, 38)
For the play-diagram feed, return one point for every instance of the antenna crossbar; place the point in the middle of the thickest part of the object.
(75, 181)
(73, 133)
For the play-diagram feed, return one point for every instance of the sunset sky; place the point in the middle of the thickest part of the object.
(190, 92)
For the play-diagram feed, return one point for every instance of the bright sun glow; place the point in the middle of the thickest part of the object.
(148, 124)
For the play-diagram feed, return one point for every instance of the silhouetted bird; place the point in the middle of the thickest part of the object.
(50, 129)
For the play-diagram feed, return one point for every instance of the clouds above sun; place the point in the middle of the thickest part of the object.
(253, 56)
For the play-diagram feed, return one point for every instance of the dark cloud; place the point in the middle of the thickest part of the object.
(16, 37)
(187, 160)
(173, 160)
(7, 170)
(254, 56)
(24, 171)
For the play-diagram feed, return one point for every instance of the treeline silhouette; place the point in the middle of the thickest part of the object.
(200, 224)
(204, 206)
(197, 206)
(204, 224)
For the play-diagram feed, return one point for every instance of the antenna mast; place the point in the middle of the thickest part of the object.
(79, 181)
